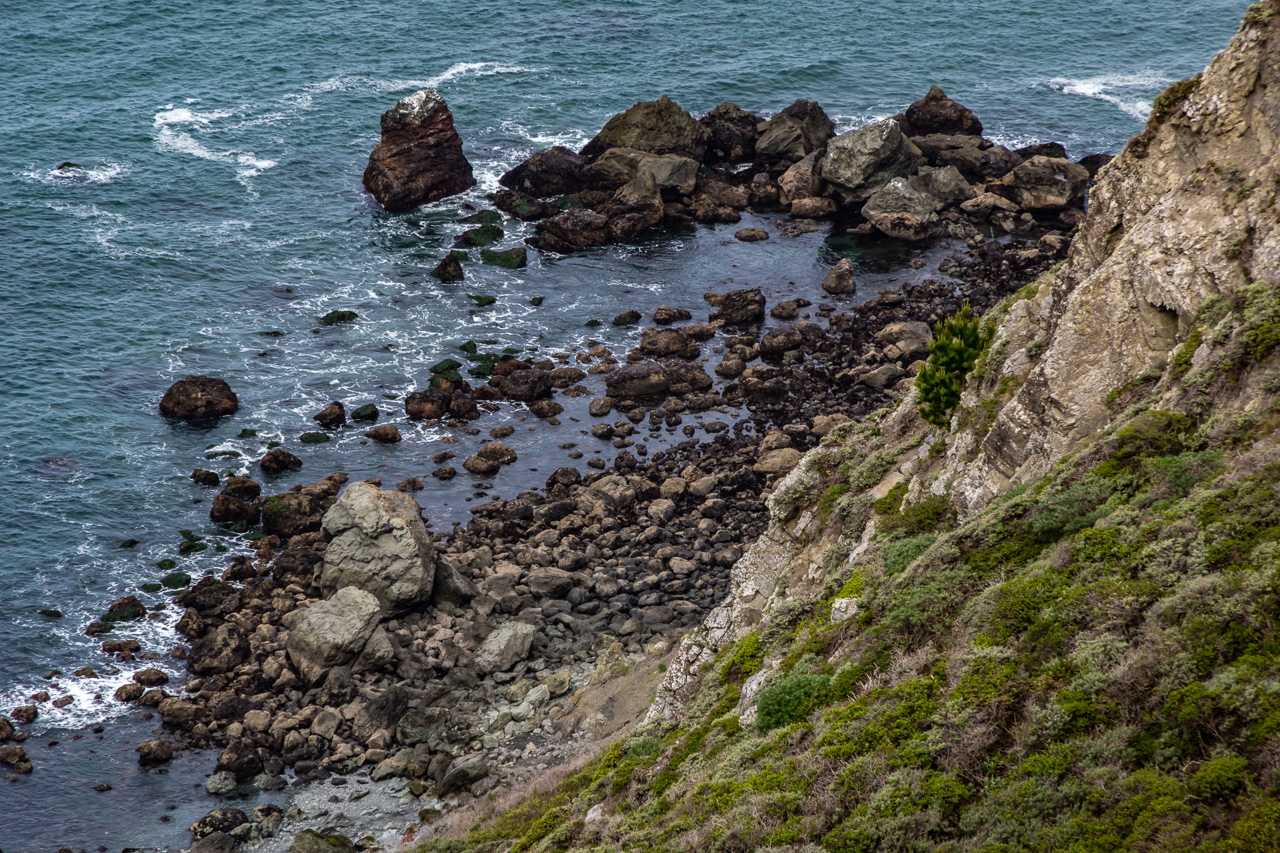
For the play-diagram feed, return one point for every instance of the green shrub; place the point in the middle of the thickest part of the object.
(1221, 779)
(788, 701)
(958, 342)
(903, 552)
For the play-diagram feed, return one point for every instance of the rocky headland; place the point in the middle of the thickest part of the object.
(348, 649)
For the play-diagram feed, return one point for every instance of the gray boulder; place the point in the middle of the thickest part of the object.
(504, 647)
(658, 127)
(861, 161)
(618, 166)
(945, 187)
(379, 545)
(796, 131)
(464, 772)
(1045, 184)
(332, 633)
(899, 211)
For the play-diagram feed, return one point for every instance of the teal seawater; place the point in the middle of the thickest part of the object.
(219, 198)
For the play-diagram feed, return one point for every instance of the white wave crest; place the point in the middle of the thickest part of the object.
(76, 174)
(459, 70)
(1131, 93)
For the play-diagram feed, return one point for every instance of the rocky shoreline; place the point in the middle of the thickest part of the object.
(453, 666)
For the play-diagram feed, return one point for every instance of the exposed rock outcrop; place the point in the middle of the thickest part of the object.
(379, 545)
(197, 399)
(333, 633)
(419, 159)
(658, 127)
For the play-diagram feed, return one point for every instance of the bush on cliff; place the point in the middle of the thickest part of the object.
(957, 344)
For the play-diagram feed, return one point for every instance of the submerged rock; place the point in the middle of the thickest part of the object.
(419, 159)
(199, 398)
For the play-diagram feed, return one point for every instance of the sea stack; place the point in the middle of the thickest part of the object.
(419, 159)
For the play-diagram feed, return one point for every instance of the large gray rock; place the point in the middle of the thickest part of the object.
(419, 159)
(659, 127)
(796, 131)
(332, 633)
(861, 161)
(380, 545)
(899, 211)
(464, 772)
(1045, 184)
(945, 187)
(504, 647)
(618, 166)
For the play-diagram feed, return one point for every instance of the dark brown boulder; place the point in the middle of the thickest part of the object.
(738, 307)
(218, 820)
(733, 135)
(197, 399)
(331, 416)
(659, 127)
(152, 753)
(240, 758)
(572, 231)
(526, 385)
(936, 113)
(218, 651)
(419, 159)
(228, 509)
(643, 379)
(278, 460)
(427, 405)
(385, 434)
(555, 172)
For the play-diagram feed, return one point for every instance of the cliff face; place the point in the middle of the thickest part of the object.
(1052, 626)
(1185, 214)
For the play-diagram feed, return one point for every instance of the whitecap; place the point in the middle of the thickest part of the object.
(1131, 93)
(181, 115)
(104, 173)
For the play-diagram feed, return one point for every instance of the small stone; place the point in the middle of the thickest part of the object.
(627, 318)
(385, 434)
(840, 279)
(751, 235)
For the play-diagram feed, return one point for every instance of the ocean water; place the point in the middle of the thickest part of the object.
(217, 212)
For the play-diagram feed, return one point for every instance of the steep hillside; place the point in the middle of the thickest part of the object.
(1054, 625)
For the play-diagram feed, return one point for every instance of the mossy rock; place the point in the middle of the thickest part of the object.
(129, 543)
(176, 580)
(484, 365)
(314, 438)
(514, 258)
(333, 318)
(248, 433)
(166, 564)
(535, 301)
(127, 609)
(481, 299)
(366, 413)
(51, 613)
(469, 348)
(591, 324)
(191, 547)
(150, 586)
(485, 235)
(484, 217)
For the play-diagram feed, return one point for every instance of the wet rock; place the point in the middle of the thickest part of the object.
(637, 381)
(384, 434)
(378, 544)
(733, 135)
(338, 317)
(504, 647)
(1094, 162)
(667, 343)
(665, 316)
(738, 307)
(750, 235)
(129, 692)
(220, 784)
(936, 113)
(151, 677)
(290, 514)
(218, 820)
(627, 318)
(279, 460)
(202, 477)
(365, 414)
(1044, 184)
(673, 175)
(798, 130)
(152, 753)
(861, 161)
(561, 377)
(636, 207)
(449, 270)
(526, 386)
(515, 258)
(444, 472)
(898, 210)
(177, 713)
(127, 609)
(198, 399)
(473, 238)
(839, 279)
(572, 231)
(229, 509)
(413, 484)
(802, 180)
(216, 842)
(15, 757)
(555, 172)
(331, 416)
(944, 186)
(332, 633)
(240, 758)
(311, 841)
(658, 127)
(813, 208)
(419, 159)
(6, 729)
(789, 309)
(427, 405)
